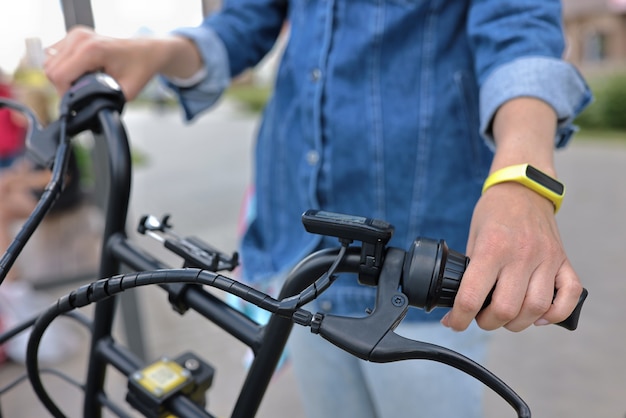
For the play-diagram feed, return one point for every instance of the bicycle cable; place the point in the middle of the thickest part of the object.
(108, 287)
(22, 326)
(51, 192)
(316, 288)
(5, 336)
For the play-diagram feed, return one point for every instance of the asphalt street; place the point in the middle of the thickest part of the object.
(199, 172)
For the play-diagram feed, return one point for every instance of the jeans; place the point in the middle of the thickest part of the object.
(334, 383)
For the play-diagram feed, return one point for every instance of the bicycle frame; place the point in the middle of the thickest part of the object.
(370, 338)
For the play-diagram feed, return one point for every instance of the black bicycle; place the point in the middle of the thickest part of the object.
(426, 276)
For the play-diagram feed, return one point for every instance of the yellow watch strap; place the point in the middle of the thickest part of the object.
(534, 179)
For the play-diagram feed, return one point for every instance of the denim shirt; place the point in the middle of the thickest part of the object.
(380, 109)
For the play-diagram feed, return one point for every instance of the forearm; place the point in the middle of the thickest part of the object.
(179, 56)
(514, 241)
(524, 129)
(132, 62)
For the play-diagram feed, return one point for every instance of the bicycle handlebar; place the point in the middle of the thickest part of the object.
(432, 275)
(426, 276)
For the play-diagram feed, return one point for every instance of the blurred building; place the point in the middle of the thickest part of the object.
(596, 34)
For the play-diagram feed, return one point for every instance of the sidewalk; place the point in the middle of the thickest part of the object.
(198, 174)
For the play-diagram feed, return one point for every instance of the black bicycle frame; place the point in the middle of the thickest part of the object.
(267, 342)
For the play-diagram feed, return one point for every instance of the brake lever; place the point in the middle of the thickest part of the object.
(393, 347)
(359, 336)
(372, 338)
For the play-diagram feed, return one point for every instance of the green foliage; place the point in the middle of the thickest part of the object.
(609, 108)
(252, 97)
(83, 159)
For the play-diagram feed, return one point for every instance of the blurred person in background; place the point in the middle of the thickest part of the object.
(12, 126)
(21, 182)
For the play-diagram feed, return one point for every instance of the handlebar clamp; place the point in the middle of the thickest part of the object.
(79, 107)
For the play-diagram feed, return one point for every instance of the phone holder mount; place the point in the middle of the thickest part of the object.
(194, 252)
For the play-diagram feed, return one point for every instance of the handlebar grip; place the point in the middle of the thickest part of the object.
(81, 104)
(432, 275)
(571, 322)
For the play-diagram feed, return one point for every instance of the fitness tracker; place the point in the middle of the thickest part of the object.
(534, 179)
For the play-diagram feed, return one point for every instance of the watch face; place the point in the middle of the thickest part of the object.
(545, 180)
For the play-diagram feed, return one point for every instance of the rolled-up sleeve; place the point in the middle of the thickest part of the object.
(230, 41)
(554, 81)
(517, 48)
(202, 94)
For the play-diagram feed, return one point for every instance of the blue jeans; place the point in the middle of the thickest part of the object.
(334, 383)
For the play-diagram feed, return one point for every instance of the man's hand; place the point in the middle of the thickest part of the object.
(514, 244)
(514, 241)
(131, 62)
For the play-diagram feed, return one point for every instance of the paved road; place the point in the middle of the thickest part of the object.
(199, 172)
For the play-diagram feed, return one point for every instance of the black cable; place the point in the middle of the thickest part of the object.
(82, 319)
(22, 326)
(20, 379)
(12, 385)
(50, 194)
(106, 288)
(321, 284)
(19, 328)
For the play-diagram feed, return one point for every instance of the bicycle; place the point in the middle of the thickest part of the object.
(425, 276)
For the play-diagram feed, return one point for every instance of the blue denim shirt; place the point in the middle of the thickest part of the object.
(380, 109)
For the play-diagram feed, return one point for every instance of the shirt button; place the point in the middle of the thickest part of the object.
(326, 305)
(312, 157)
(316, 74)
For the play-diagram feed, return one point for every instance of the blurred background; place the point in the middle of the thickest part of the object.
(582, 374)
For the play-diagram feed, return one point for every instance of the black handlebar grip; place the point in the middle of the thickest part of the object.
(571, 322)
(432, 274)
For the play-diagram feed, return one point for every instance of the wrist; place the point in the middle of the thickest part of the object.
(530, 177)
(180, 57)
(502, 160)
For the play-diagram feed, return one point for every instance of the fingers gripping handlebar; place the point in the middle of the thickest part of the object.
(431, 274)
(426, 276)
